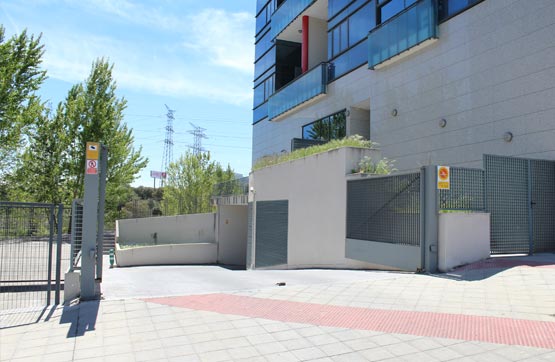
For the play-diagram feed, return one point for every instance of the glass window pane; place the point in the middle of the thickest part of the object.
(336, 36)
(361, 23)
(344, 37)
(258, 95)
(391, 9)
(338, 127)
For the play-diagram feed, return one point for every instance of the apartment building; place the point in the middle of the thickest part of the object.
(431, 81)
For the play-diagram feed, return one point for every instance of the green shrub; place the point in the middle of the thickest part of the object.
(352, 141)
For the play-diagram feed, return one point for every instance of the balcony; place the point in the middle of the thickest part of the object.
(308, 86)
(286, 13)
(404, 34)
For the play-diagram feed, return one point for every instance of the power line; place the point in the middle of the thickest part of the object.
(167, 157)
(198, 134)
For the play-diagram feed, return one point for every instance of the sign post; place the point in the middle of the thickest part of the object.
(90, 221)
(158, 174)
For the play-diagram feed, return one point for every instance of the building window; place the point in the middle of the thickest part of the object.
(450, 8)
(389, 8)
(264, 16)
(328, 128)
(352, 30)
(263, 91)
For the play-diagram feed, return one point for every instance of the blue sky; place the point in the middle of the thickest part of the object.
(195, 56)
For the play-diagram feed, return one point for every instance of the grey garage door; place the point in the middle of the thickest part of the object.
(271, 233)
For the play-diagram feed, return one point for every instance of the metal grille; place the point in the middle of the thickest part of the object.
(466, 191)
(239, 186)
(76, 233)
(28, 255)
(507, 202)
(385, 209)
(249, 234)
(543, 205)
(271, 232)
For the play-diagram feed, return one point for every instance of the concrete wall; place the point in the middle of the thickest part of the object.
(316, 188)
(463, 238)
(232, 234)
(491, 71)
(318, 42)
(358, 122)
(195, 228)
(197, 253)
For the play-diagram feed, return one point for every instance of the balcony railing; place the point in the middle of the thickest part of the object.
(300, 90)
(286, 13)
(410, 28)
(239, 186)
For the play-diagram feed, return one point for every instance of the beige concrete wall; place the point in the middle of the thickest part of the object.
(316, 188)
(317, 42)
(463, 238)
(232, 234)
(197, 253)
(194, 228)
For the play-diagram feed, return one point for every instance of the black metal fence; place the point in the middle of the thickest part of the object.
(33, 254)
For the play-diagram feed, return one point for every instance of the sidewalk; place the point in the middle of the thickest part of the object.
(502, 309)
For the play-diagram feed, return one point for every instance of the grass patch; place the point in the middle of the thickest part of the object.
(352, 141)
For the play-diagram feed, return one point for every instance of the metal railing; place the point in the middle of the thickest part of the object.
(303, 88)
(409, 28)
(239, 186)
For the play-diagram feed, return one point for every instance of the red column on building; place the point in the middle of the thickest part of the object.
(304, 49)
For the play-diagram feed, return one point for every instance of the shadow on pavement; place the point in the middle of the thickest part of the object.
(494, 265)
(23, 317)
(81, 317)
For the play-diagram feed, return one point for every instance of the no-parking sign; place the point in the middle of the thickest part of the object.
(443, 182)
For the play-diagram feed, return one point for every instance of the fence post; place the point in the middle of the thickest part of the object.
(59, 253)
(50, 242)
(431, 224)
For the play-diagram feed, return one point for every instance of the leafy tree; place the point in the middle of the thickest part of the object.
(90, 112)
(190, 182)
(20, 78)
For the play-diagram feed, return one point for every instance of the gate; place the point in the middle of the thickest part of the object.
(384, 221)
(32, 250)
(393, 220)
(521, 200)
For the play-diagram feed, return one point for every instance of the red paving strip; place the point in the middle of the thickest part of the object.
(504, 264)
(426, 324)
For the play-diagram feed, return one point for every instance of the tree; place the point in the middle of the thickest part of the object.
(53, 166)
(20, 78)
(190, 183)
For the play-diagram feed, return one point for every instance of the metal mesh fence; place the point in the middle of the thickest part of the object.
(238, 186)
(507, 203)
(542, 177)
(385, 209)
(28, 251)
(76, 232)
(466, 192)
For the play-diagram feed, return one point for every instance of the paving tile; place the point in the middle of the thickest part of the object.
(243, 352)
(309, 353)
(215, 356)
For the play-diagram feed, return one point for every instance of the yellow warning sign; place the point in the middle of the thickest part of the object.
(93, 150)
(443, 179)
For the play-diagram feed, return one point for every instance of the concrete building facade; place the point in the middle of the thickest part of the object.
(431, 81)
